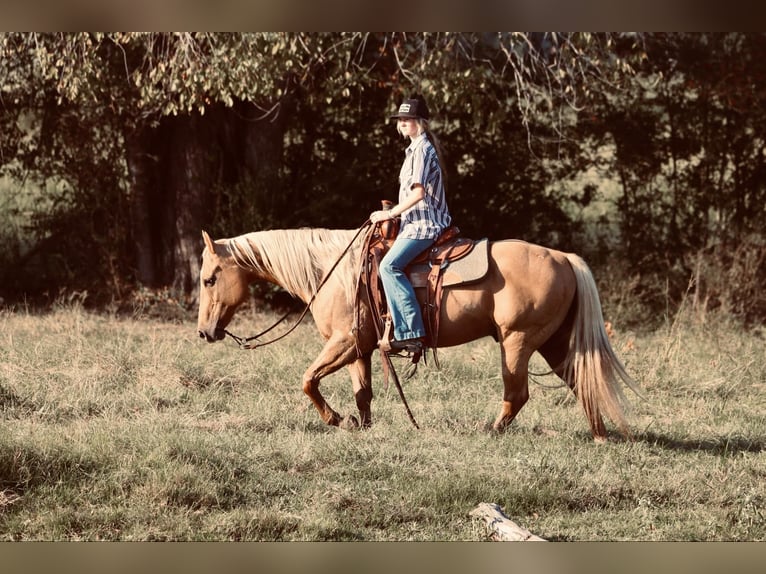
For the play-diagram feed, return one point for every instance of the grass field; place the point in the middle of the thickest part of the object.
(115, 428)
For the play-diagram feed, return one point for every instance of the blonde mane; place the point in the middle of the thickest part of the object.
(298, 259)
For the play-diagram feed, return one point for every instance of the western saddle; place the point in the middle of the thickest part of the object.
(426, 270)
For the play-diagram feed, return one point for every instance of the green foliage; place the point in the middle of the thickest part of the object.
(689, 160)
(642, 148)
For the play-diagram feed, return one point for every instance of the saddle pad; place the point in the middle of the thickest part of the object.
(472, 267)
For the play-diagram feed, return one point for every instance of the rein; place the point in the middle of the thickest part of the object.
(244, 342)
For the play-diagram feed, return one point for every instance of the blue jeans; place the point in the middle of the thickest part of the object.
(402, 304)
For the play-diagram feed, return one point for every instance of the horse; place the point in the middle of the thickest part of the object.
(532, 298)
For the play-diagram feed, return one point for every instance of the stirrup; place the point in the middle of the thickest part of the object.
(414, 354)
(385, 342)
(410, 346)
(412, 349)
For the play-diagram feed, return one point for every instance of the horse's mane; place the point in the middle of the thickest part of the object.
(298, 259)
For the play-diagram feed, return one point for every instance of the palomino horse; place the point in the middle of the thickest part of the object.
(532, 299)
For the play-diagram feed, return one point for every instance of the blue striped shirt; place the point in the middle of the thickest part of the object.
(429, 216)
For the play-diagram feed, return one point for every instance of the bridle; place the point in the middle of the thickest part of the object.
(245, 342)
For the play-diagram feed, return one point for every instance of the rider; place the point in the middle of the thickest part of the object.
(424, 215)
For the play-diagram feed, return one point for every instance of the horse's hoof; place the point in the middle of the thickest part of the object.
(349, 423)
(498, 429)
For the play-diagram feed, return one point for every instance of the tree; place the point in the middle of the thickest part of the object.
(139, 102)
(689, 156)
(193, 130)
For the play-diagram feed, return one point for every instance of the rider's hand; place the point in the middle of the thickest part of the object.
(382, 215)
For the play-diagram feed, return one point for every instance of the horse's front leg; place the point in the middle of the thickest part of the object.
(361, 377)
(337, 352)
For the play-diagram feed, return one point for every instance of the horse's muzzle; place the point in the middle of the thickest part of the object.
(217, 336)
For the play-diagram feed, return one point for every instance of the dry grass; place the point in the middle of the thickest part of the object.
(133, 429)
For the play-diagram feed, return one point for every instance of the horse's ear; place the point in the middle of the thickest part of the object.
(208, 242)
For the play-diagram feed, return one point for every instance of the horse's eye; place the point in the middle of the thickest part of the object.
(209, 282)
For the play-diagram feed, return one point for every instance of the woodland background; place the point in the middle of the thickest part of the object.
(643, 152)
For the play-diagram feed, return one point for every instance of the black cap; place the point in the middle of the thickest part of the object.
(412, 108)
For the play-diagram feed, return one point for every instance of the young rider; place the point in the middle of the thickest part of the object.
(424, 215)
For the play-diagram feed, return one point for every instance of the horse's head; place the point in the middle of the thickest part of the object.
(223, 288)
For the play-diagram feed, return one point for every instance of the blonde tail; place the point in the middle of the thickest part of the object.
(592, 368)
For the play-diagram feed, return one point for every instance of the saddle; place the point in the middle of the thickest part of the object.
(452, 260)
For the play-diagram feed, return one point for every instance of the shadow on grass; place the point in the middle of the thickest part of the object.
(721, 446)
(23, 468)
(724, 445)
(13, 404)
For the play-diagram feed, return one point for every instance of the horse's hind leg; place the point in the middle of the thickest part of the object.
(515, 358)
(554, 351)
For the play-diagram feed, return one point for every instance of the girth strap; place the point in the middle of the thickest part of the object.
(434, 288)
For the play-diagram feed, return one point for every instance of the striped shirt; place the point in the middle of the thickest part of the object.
(429, 216)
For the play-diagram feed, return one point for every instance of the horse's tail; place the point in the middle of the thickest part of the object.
(592, 368)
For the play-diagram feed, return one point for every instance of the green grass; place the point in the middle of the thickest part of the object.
(134, 429)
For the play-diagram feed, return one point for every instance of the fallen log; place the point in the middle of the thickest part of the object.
(500, 526)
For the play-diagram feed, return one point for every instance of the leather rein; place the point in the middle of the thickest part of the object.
(245, 342)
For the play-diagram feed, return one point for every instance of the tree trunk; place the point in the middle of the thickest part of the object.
(171, 173)
(262, 145)
(141, 181)
(175, 170)
(194, 158)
